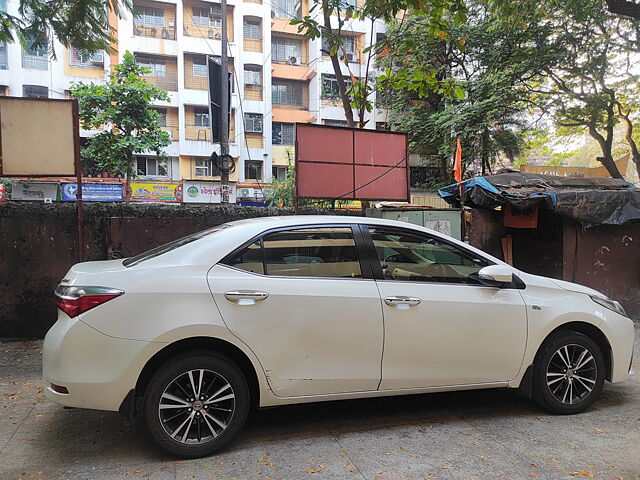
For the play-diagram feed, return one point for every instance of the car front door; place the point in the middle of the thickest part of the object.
(442, 327)
(301, 300)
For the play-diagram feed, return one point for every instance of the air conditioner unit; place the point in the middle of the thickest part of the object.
(246, 192)
(294, 61)
(171, 24)
(211, 34)
(218, 36)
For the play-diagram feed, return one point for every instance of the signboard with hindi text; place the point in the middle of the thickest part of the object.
(205, 192)
(156, 192)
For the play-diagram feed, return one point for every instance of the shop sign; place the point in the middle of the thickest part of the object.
(156, 192)
(34, 191)
(93, 192)
(206, 192)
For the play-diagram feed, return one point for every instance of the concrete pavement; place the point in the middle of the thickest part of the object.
(463, 435)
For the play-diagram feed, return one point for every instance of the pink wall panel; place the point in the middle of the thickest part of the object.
(379, 148)
(325, 163)
(392, 186)
(322, 180)
(324, 144)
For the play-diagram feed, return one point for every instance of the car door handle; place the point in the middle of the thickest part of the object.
(402, 302)
(245, 297)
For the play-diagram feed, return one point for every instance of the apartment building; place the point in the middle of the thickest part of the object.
(279, 78)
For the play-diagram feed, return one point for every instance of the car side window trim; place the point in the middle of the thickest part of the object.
(363, 260)
(377, 268)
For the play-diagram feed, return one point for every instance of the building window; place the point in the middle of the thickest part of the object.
(162, 116)
(348, 3)
(287, 8)
(201, 117)
(251, 29)
(253, 75)
(286, 50)
(335, 123)
(287, 92)
(148, 16)
(330, 86)
(382, 126)
(283, 133)
(157, 67)
(200, 66)
(76, 59)
(35, 91)
(4, 90)
(35, 58)
(207, 16)
(205, 168)
(348, 44)
(4, 63)
(153, 166)
(253, 122)
(253, 170)
(279, 173)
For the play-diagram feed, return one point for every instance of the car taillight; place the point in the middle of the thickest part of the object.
(76, 300)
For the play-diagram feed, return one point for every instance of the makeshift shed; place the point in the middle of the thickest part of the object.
(583, 230)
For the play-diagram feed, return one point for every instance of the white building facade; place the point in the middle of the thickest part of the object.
(279, 78)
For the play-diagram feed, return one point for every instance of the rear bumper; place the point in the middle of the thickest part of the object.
(97, 370)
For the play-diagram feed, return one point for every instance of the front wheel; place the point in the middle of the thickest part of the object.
(195, 404)
(568, 373)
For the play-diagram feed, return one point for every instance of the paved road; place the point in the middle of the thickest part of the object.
(462, 435)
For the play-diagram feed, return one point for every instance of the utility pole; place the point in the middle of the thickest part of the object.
(224, 109)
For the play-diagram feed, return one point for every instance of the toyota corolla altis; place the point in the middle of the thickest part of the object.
(284, 310)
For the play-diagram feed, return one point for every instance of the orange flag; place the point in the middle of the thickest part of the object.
(457, 164)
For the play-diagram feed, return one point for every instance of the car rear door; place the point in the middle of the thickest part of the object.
(305, 303)
(442, 327)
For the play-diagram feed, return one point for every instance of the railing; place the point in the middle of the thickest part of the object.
(165, 33)
(168, 82)
(199, 133)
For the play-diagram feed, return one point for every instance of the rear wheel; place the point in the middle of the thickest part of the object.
(568, 373)
(195, 404)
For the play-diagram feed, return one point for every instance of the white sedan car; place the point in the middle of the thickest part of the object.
(283, 310)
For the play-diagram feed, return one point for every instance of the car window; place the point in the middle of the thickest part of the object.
(312, 252)
(302, 252)
(410, 256)
(250, 259)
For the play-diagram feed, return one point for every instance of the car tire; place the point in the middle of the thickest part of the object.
(568, 373)
(190, 425)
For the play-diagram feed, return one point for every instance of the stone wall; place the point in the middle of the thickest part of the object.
(38, 245)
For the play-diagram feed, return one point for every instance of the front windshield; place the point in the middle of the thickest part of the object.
(167, 247)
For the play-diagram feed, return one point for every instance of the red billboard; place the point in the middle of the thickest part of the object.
(351, 163)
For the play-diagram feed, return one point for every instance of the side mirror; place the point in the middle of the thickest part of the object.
(496, 275)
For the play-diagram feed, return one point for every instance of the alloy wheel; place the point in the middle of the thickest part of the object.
(196, 407)
(571, 374)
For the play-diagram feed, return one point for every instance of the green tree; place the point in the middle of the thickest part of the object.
(579, 59)
(487, 115)
(83, 24)
(354, 91)
(122, 109)
(282, 193)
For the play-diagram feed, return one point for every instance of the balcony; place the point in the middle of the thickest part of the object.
(164, 33)
(167, 82)
(200, 133)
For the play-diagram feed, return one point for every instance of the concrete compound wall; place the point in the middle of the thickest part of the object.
(38, 245)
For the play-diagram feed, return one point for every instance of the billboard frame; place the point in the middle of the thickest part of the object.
(399, 165)
(75, 118)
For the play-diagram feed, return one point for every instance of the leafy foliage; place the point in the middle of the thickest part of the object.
(282, 193)
(487, 115)
(121, 108)
(83, 24)
(354, 91)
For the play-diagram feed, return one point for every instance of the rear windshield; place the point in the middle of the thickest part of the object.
(167, 247)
